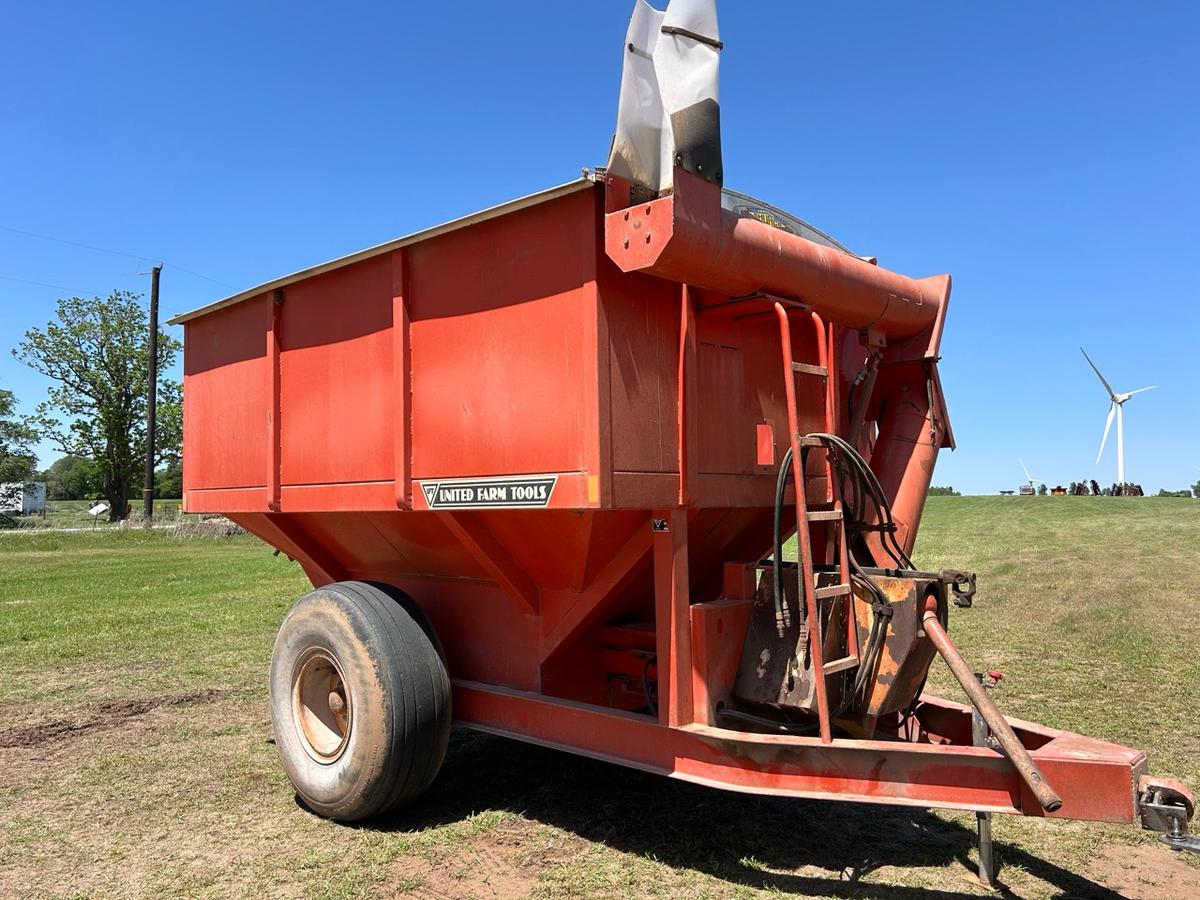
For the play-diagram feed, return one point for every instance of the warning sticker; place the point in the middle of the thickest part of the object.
(500, 492)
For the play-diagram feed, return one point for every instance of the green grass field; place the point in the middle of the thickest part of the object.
(135, 736)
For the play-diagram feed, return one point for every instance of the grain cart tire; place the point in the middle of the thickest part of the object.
(360, 700)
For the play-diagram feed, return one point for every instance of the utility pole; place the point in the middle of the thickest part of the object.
(151, 397)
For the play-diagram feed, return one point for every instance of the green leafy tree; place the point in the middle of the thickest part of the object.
(1042, 490)
(96, 352)
(946, 491)
(1196, 490)
(73, 478)
(17, 459)
(168, 481)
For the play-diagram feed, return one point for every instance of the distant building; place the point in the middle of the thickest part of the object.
(23, 498)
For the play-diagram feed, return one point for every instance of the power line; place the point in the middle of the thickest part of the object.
(137, 256)
(180, 268)
(57, 287)
(46, 237)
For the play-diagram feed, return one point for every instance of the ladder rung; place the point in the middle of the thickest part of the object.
(834, 590)
(824, 515)
(839, 665)
(809, 369)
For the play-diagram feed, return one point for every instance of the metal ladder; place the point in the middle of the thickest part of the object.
(829, 512)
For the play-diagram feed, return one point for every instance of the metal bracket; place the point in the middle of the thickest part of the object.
(1166, 810)
(962, 585)
(683, 32)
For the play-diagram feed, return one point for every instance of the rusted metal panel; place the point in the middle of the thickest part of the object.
(906, 656)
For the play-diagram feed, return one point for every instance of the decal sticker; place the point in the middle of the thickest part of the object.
(498, 492)
(763, 215)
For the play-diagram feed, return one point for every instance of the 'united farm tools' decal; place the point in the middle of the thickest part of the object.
(503, 491)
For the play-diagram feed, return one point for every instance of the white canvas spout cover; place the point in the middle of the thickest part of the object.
(669, 112)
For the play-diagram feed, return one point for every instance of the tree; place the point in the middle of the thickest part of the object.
(17, 459)
(73, 478)
(1041, 490)
(168, 481)
(1196, 490)
(96, 351)
(947, 491)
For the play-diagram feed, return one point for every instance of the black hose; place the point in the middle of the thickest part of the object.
(797, 728)
(849, 461)
(863, 502)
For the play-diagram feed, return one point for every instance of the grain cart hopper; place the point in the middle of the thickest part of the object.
(539, 462)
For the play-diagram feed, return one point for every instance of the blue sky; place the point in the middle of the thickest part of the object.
(1047, 155)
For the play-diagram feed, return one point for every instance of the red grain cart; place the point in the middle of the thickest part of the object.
(538, 464)
(560, 456)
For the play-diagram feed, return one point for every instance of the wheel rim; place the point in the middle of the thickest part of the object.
(322, 705)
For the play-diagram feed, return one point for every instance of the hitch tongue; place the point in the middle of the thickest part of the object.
(1001, 730)
(1165, 806)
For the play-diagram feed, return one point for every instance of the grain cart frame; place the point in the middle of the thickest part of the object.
(532, 461)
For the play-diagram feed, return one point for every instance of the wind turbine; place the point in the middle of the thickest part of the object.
(1115, 408)
(1027, 475)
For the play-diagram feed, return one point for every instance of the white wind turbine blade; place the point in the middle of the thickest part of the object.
(1139, 390)
(1112, 411)
(1103, 381)
(1027, 475)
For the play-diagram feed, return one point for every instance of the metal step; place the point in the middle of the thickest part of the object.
(840, 665)
(824, 515)
(810, 369)
(833, 590)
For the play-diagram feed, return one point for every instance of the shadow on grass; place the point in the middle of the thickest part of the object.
(735, 837)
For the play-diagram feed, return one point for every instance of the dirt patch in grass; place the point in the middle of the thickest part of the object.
(493, 865)
(110, 714)
(1149, 872)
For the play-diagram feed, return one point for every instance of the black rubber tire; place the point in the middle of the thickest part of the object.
(399, 722)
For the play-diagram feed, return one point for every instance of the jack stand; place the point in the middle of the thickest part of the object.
(979, 735)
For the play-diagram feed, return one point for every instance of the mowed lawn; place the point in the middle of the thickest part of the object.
(137, 755)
